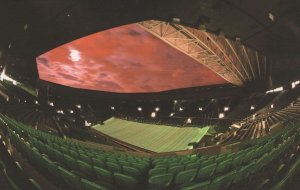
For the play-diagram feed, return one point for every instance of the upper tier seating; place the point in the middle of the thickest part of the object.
(261, 124)
(85, 167)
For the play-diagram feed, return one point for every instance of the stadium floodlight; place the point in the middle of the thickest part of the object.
(153, 114)
(181, 109)
(271, 17)
(172, 114)
(140, 109)
(78, 106)
(112, 107)
(294, 84)
(87, 124)
(176, 20)
(157, 109)
(226, 108)
(252, 108)
(189, 120)
(221, 115)
(200, 108)
(279, 89)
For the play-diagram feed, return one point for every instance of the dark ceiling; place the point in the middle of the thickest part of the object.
(30, 28)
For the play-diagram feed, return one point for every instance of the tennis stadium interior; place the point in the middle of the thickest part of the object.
(150, 94)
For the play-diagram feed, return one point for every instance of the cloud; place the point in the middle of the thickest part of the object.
(123, 59)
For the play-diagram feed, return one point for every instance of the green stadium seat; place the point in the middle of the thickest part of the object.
(139, 166)
(194, 165)
(59, 156)
(35, 184)
(197, 186)
(175, 169)
(50, 166)
(99, 163)
(86, 158)
(156, 171)
(206, 172)
(74, 154)
(237, 161)
(207, 162)
(263, 185)
(85, 168)
(185, 176)
(131, 171)
(71, 179)
(222, 182)
(89, 185)
(104, 175)
(113, 167)
(161, 181)
(37, 156)
(223, 167)
(125, 182)
(70, 162)
(124, 163)
(243, 173)
(64, 150)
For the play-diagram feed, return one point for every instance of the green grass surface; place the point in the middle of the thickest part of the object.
(157, 138)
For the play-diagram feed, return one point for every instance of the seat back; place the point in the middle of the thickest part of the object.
(185, 176)
(160, 181)
(125, 182)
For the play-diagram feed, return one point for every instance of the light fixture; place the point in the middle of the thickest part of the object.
(51, 103)
(87, 124)
(36, 102)
(60, 111)
(157, 109)
(221, 115)
(294, 84)
(275, 90)
(25, 27)
(153, 114)
(271, 17)
(172, 114)
(140, 109)
(226, 108)
(112, 107)
(78, 106)
(202, 27)
(272, 106)
(71, 111)
(252, 108)
(189, 120)
(176, 20)
(200, 108)
(181, 109)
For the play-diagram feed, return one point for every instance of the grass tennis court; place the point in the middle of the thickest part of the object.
(157, 138)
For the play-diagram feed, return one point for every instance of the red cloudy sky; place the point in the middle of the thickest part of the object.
(123, 59)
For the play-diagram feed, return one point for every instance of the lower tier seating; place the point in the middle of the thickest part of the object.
(85, 167)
